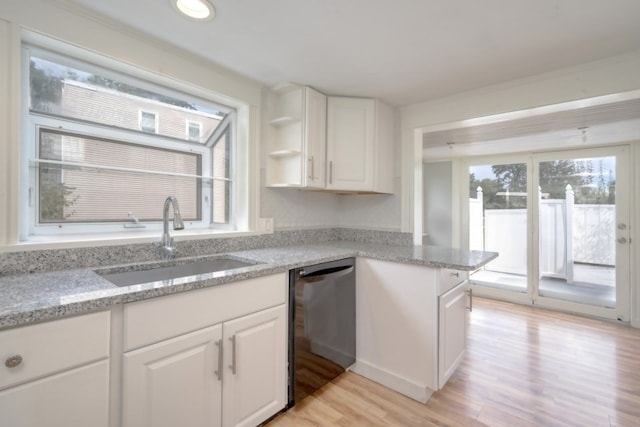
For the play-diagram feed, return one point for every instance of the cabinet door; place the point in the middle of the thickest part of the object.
(452, 334)
(255, 378)
(174, 382)
(315, 131)
(350, 144)
(74, 398)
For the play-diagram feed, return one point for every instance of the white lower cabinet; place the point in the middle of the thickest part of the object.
(410, 325)
(174, 382)
(75, 398)
(56, 373)
(452, 333)
(232, 373)
(254, 381)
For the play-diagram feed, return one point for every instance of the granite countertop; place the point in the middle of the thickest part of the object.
(36, 297)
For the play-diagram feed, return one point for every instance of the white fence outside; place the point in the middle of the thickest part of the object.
(594, 231)
(590, 239)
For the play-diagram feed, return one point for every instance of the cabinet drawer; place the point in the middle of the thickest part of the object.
(148, 322)
(449, 278)
(50, 347)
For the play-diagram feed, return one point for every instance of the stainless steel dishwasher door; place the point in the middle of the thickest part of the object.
(322, 325)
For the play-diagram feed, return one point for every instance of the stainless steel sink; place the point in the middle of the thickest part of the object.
(158, 273)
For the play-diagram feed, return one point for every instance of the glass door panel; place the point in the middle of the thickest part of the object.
(560, 223)
(577, 230)
(498, 222)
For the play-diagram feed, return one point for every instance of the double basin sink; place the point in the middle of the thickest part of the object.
(136, 274)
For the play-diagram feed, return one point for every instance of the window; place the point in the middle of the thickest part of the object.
(104, 147)
(148, 122)
(193, 131)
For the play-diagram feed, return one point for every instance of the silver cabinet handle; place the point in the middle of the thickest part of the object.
(233, 355)
(470, 292)
(13, 361)
(313, 172)
(456, 274)
(622, 240)
(331, 172)
(218, 372)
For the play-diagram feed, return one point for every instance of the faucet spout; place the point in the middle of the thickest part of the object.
(167, 241)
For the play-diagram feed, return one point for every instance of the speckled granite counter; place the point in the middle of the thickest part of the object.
(42, 296)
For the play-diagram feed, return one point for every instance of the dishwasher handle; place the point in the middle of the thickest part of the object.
(324, 274)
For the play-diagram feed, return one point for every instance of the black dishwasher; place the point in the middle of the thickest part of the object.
(322, 325)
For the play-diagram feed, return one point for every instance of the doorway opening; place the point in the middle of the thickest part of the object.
(559, 222)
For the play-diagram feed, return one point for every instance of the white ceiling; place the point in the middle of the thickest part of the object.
(401, 51)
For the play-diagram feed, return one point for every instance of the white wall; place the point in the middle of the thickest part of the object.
(292, 208)
(65, 22)
(613, 75)
(635, 252)
(371, 211)
(438, 191)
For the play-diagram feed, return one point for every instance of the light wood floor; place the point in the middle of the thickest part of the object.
(524, 367)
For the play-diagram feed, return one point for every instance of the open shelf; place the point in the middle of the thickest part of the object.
(283, 185)
(283, 121)
(285, 153)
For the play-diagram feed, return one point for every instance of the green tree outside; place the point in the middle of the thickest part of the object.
(588, 187)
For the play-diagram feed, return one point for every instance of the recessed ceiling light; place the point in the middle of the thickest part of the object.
(200, 10)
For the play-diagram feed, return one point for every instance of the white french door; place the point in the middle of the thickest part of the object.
(560, 221)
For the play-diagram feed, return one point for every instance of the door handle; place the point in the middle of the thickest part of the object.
(233, 355)
(331, 172)
(311, 173)
(218, 372)
(318, 276)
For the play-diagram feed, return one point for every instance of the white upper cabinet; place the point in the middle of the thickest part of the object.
(296, 152)
(315, 138)
(359, 145)
(333, 143)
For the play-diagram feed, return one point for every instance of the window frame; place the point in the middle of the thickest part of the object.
(188, 127)
(141, 114)
(31, 229)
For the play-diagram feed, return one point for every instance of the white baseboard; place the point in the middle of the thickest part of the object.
(418, 392)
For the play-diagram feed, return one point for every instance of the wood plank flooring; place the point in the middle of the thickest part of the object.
(524, 366)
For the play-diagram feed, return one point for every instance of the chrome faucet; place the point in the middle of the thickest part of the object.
(167, 241)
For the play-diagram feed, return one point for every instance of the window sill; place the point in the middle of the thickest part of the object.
(92, 240)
